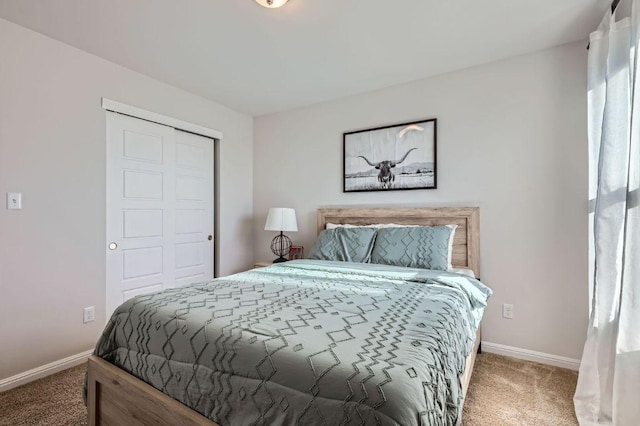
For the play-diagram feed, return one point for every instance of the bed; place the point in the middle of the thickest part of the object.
(306, 342)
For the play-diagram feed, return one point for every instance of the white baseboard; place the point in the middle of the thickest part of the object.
(44, 371)
(540, 357)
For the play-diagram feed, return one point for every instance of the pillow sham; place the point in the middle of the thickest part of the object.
(426, 247)
(344, 244)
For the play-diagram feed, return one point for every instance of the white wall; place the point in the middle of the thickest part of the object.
(511, 139)
(52, 149)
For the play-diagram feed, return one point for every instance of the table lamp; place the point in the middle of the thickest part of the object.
(281, 219)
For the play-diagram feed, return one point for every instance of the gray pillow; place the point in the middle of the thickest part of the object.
(426, 247)
(344, 244)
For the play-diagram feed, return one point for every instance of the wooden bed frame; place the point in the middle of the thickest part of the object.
(115, 397)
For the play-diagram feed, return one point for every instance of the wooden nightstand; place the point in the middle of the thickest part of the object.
(262, 264)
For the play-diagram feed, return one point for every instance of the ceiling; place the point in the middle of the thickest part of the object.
(260, 61)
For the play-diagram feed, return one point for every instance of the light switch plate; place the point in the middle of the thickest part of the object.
(14, 201)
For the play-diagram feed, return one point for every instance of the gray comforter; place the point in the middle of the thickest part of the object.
(306, 342)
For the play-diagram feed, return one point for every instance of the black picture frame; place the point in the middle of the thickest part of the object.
(371, 157)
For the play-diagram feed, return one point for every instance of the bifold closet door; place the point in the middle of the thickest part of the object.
(159, 208)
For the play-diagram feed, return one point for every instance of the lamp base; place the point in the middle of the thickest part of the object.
(280, 246)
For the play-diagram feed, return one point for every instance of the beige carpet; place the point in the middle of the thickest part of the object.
(508, 391)
(54, 400)
(504, 391)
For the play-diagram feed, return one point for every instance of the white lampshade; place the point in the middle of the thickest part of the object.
(272, 4)
(281, 219)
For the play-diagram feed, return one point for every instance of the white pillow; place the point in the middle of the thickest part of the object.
(453, 234)
(463, 271)
(375, 225)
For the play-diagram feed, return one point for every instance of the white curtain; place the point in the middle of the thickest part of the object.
(608, 391)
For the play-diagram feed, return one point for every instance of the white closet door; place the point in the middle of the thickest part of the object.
(159, 208)
(193, 208)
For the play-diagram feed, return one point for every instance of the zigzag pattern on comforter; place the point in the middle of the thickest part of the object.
(306, 342)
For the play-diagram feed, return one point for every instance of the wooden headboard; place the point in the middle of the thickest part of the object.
(466, 242)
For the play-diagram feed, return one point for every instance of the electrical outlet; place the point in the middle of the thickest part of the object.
(89, 314)
(507, 311)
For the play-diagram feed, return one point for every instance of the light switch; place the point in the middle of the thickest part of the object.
(14, 201)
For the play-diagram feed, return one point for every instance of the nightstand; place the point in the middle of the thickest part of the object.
(262, 264)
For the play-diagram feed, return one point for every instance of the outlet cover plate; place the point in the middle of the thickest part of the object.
(507, 311)
(88, 314)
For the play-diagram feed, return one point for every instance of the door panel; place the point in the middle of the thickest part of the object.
(159, 208)
(142, 185)
(139, 146)
(186, 280)
(128, 294)
(142, 223)
(190, 188)
(190, 221)
(194, 208)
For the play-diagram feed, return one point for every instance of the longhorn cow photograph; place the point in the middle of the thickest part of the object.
(396, 157)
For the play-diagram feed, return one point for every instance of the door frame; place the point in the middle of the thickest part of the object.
(216, 135)
(133, 111)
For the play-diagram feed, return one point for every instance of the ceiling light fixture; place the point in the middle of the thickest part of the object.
(272, 4)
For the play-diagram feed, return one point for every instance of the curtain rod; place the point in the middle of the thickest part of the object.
(614, 5)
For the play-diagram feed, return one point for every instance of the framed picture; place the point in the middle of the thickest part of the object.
(296, 252)
(391, 158)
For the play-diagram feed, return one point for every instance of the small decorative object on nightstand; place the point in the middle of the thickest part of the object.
(296, 252)
(281, 219)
